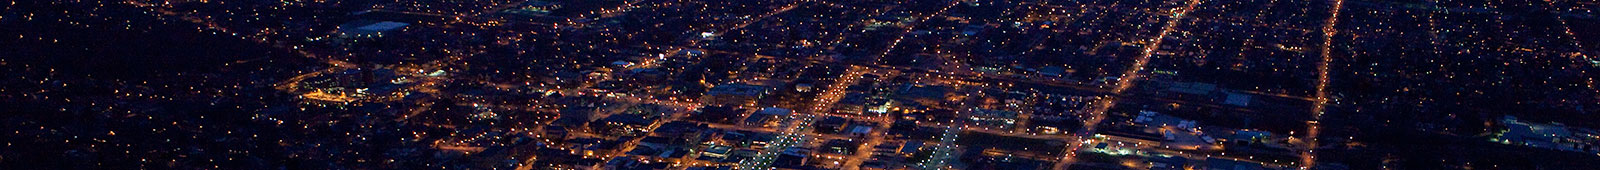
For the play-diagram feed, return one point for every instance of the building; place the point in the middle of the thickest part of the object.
(1549, 136)
(369, 28)
(767, 117)
(733, 95)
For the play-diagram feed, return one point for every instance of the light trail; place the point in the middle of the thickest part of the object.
(1577, 54)
(946, 148)
(794, 134)
(747, 23)
(1308, 157)
(1098, 112)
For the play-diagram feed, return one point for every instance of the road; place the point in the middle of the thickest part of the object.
(1098, 110)
(1308, 156)
(795, 132)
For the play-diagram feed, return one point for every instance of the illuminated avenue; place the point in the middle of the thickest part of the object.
(800, 84)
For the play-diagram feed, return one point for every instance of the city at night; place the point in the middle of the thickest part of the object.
(800, 84)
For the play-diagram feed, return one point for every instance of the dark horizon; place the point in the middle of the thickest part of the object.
(800, 84)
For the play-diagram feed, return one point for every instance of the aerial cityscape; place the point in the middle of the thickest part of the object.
(800, 84)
